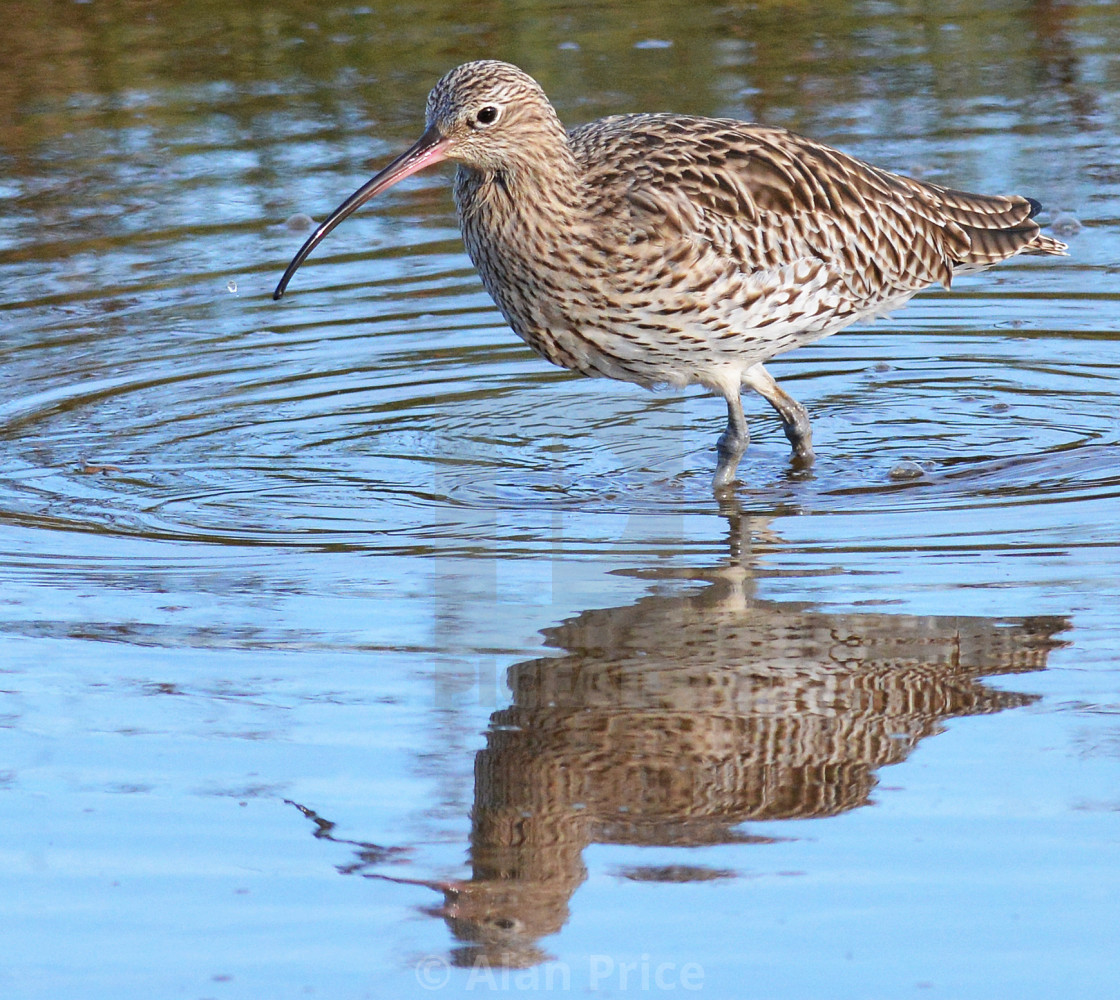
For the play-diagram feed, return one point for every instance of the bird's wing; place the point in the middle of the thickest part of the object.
(765, 199)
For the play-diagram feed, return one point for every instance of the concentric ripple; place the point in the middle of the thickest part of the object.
(290, 426)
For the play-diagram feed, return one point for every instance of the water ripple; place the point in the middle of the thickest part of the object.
(368, 430)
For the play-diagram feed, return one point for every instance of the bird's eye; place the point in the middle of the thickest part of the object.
(488, 115)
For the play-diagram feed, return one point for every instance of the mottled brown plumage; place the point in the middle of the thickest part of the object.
(669, 249)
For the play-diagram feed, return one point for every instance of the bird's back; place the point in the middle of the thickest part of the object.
(766, 198)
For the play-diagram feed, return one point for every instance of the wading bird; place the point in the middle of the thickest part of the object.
(670, 249)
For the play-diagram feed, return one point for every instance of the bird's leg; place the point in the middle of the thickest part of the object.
(732, 443)
(795, 418)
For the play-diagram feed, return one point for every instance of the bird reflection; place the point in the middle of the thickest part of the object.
(677, 719)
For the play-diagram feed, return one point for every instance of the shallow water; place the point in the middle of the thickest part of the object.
(347, 648)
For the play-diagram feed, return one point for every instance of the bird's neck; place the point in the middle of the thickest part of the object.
(521, 226)
(540, 188)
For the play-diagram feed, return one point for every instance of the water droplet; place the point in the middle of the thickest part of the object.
(299, 222)
(231, 285)
(906, 470)
(1065, 224)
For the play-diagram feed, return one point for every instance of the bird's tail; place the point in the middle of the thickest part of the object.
(995, 228)
(1046, 245)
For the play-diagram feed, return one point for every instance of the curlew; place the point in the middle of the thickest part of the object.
(671, 249)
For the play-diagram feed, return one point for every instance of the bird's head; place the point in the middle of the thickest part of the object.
(485, 115)
(490, 114)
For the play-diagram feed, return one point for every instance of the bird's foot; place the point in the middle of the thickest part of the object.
(795, 422)
(802, 455)
(724, 478)
(729, 450)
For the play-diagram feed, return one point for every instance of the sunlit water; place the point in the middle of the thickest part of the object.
(349, 649)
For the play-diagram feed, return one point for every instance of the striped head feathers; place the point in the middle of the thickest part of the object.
(495, 117)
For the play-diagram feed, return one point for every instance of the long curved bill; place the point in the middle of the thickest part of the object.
(430, 148)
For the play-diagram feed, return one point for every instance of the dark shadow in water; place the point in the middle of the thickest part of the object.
(676, 719)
